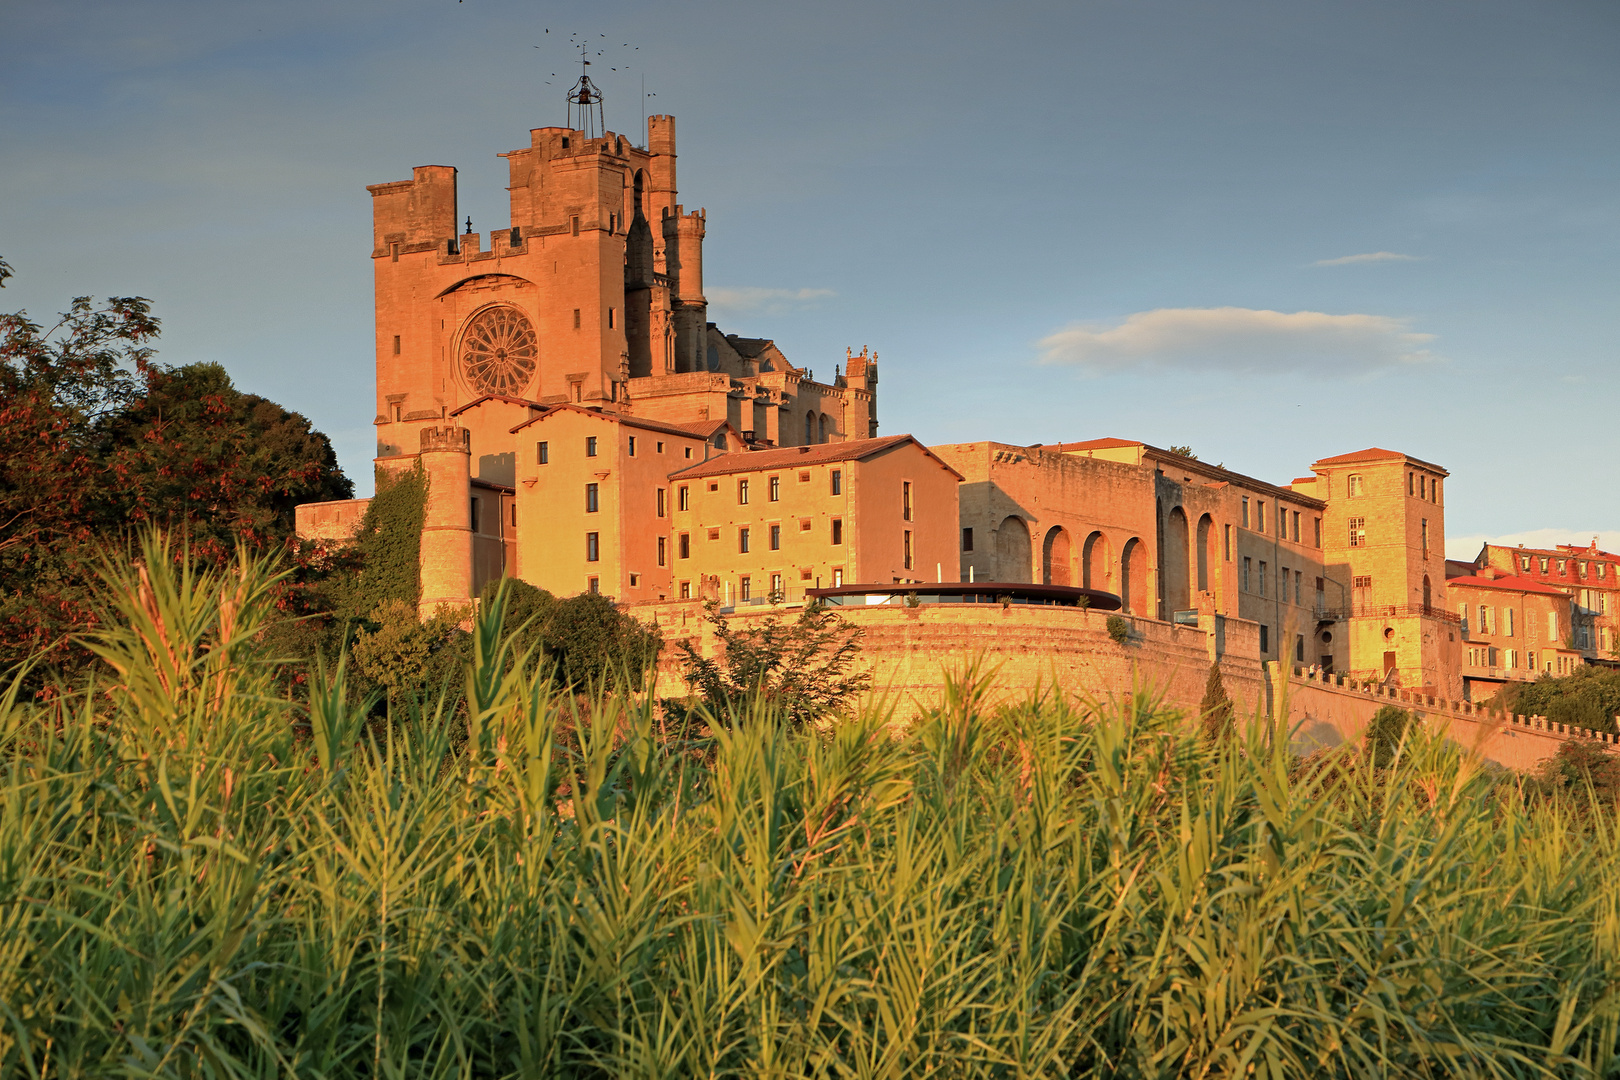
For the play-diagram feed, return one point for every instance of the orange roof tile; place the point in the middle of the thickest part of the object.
(1508, 583)
(695, 431)
(795, 456)
(1375, 453)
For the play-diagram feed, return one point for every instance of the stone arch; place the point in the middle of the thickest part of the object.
(1133, 591)
(1056, 556)
(822, 436)
(1096, 562)
(1174, 569)
(1012, 550)
(1428, 592)
(1207, 555)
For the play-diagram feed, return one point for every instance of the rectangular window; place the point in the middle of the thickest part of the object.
(688, 450)
(1262, 577)
(776, 489)
(838, 530)
(593, 547)
(1423, 487)
(745, 588)
(686, 590)
(514, 515)
(659, 501)
(1425, 530)
(1226, 541)
(1265, 638)
(905, 501)
(1358, 532)
(1259, 515)
(1354, 486)
(1434, 490)
(1299, 585)
(1544, 564)
(590, 446)
(635, 579)
(1299, 648)
(776, 588)
(742, 539)
(632, 446)
(776, 538)
(804, 476)
(838, 577)
(1321, 595)
(611, 322)
(659, 446)
(683, 498)
(742, 492)
(593, 586)
(1245, 511)
(663, 552)
(396, 344)
(573, 223)
(1507, 622)
(967, 539)
(1317, 529)
(1552, 626)
(1296, 526)
(683, 546)
(1411, 483)
(542, 452)
(838, 481)
(473, 515)
(908, 549)
(590, 499)
(1246, 564)
(576, 315)
(1282, 584)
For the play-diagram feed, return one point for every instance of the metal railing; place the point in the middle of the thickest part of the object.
(1388, 611)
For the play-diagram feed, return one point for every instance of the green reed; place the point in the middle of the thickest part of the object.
(202, 878)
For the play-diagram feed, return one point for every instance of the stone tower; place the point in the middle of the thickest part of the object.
(447, 538)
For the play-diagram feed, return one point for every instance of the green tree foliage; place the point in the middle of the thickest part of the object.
(1581, 764)
(95, 437)
(387, 546)
(1589, 698)
(408, 657)
(799, 669)
(1119, 628)
(1384, 733)
(586, 639)
(1215, 711)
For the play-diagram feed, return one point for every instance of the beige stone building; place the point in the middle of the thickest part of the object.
(1589, 576)
(1513, 630)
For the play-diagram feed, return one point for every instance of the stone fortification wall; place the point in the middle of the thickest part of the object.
(1327, 710)
(333, 521)
(910, 652)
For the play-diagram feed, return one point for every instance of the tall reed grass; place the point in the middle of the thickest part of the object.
(202, 878)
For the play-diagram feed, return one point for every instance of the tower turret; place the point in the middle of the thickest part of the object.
(447, 539)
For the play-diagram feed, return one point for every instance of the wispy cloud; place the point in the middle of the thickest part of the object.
(1367, 257)
(1466, 547)
(755, 300)
(1239, 340)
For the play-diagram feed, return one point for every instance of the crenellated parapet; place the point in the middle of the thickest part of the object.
(447, 437)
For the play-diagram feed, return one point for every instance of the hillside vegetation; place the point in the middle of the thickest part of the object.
(204, 877)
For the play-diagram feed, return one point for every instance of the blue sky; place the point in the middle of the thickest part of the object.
(1271, 231)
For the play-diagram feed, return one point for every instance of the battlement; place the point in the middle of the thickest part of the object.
(449, 437)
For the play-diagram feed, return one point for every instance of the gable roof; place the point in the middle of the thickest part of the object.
(1376, 453)
(1090, 444)
(695, 431)
(1508, 583)
(503, 399)
(796, 456)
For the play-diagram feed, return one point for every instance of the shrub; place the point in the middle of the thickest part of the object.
(404, 655)
(1384, 733)
(584, 638)
(1215, 710)
(1587, 698)
(1119, 628)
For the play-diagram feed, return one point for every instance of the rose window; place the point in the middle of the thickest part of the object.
(498, 352)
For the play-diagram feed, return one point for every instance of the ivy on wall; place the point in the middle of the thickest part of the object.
(389, 542)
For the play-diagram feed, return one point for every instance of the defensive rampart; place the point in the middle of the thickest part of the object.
(1326, 710)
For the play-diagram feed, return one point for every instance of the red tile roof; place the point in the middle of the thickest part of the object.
(475, 402)
(1375, 453)
(1508, 583)
(795, 456)
(695, 431)
(1090, 444)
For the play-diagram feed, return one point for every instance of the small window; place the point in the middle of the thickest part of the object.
(683, 498)
(688, 450)
(1411, 483)
(473, 514)
(1544, 564)
(1316, 527)
(593, 548)
(635, 579)
(593, 586)
(776, 588)
(683, 546)
(742, 492)
(658, 500)
(1299, 585)
(514, 515)
(578, 390)
(590, 446)
(398, 411)
(804, 525)
(1425, 533)
(905, 502)
(1226, 542)
(1259, 515)
(1354, 486)
(1245, 518)
(1296, 526)
(1358, 532)
(686, 590)
(573, 225)
(1247, 564)
(396, 344)
(659, 446)
(776, 538)
(1262, 577)
(1265, 638)
(590, 499)
(908, 549)
(804, 477)
(611, 317)
(742, 540)
(576, 318)
(1434, 490)
(745, 588)
(632, 446)
(1423, 487)
(662, 550)
(838, 530)
(967, 539)
(714, 485)
(714, 534)
(838, 481)
(542, 452)
(720, 441)
(776, 489)
(838, 577)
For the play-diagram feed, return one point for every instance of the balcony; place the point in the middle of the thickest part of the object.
(1387, 611)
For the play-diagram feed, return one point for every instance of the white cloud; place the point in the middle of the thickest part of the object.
(754, 300)
(1239, 340)
(1466, 547)
(1370, 256)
